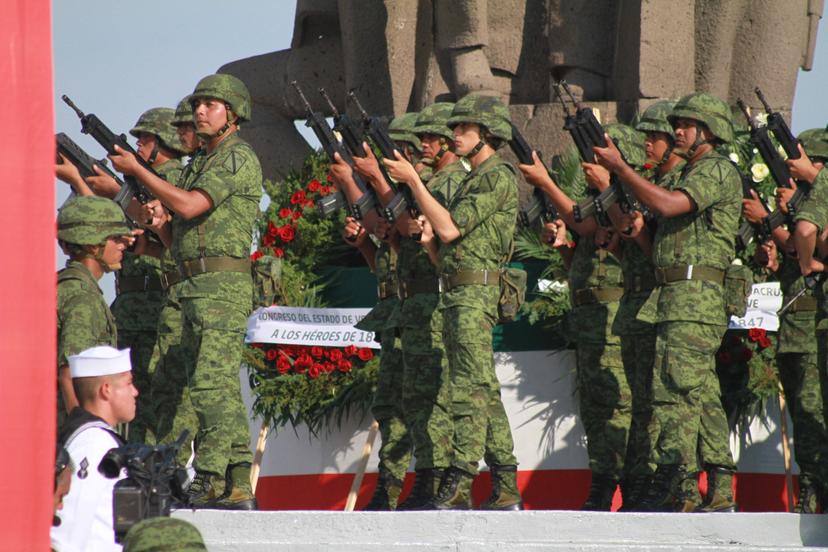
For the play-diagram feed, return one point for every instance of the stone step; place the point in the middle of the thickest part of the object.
(475, 531)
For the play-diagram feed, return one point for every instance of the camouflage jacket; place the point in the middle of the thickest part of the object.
(139, 310)
(385, 260)
(815, 208)
(84, 319)
(413, 262)
(592, 269)
(705, 237)
(484, 210)
(232, 177)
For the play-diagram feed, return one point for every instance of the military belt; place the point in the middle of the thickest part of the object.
(689, 272)
(139, 283)
(188, 269)
(803, 303)
(170, 278)
(410, 288)
(641, 282)
(469, 278)
(589, 296)
(386, 290)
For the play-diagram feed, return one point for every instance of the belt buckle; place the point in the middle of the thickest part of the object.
(689, 274)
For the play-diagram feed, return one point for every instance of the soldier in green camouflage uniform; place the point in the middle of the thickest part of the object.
(140, 295)
(694, 245)
(476, 231)
(171, 403)
(163, 534)
(211, 236)
(92, 231)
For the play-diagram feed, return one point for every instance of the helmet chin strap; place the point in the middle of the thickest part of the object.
(475, 150)
(154, 153)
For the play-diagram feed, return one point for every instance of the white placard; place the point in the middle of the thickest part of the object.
(303, 326)
(764, 301)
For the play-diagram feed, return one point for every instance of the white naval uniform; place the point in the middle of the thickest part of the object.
(86, 517)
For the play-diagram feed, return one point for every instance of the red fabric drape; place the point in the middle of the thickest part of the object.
(27, 276)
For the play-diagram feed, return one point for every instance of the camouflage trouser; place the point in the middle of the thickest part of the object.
(174, 411)
(803, 384)
(606, 406)
(427, 396)
(395, 450)
(141, 343)
(477, 410)
(214, 331)
(638, 354)
(687, 404)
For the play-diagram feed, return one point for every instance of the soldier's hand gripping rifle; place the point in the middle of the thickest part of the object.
(539, 208)
(93, 126)
(403, 200)
(760, 137)
(82, 160)
(748, 231)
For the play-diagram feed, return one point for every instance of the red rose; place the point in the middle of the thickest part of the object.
(267, 240)
(764, 342)
(271, 228)
(296, 215)
(365, 354)
(283, 364)
(335, 355)
(314, 185)
(286, 233)
(735, 340)
(344, 366)
(298, 197)
(302, 363)
(724, 357)
(328, 178)
(314, 370)
(755, 334)
(308, 203)
(325, 190)
(747, 354)
(256, 255)
(278, 252)
(328, 367)
(271, 354)
(285, 212)
(350, 350)
(317, 352)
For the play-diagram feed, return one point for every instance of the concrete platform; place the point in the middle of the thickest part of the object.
(326, 531)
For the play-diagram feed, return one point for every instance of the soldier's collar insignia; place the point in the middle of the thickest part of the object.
(82, 472)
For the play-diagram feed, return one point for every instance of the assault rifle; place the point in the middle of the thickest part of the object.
(93, 126)
(587, 133)
(760, 137)
(812, 280)
(779, 128)
(539, 206)
(82, 160)
(403, 199)
(761, 231)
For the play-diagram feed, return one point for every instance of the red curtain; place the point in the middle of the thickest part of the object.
(27, 277)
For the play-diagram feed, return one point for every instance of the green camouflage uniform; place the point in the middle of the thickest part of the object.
(136, 310)
(690, 315)
(596, 284)
(484, 210)
(796, 360)
(815, 207)
(395, 450)
(216, 304)
(426, 393)
(163, 534)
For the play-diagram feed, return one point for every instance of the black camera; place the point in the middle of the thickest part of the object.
(155, 481)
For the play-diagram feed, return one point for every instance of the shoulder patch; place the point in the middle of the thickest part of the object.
(234, 162)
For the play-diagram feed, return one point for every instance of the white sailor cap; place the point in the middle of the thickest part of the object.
(99, 361)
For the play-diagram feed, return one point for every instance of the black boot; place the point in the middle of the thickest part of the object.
(238, 492)
(633, 490)
(601, 491)
(386, 493)
(673, 489)
(719, 496)
(808, 500)
(454, 492)
(505, 494)
(426, 483)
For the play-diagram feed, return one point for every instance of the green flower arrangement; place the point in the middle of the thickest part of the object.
(295, 384)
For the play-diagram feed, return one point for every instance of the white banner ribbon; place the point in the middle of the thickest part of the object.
(303, 326)
(763, 303)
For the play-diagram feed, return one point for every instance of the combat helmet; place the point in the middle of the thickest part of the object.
(158, 121)
(159, 534)
(401, 129)
(655, 118)
(225, 87)
(183, 113)
(487, 111)
(707, 109)
(90, 220)
(815, 143)
(433, 119)
(630, 141)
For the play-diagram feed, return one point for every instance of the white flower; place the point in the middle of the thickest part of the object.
(759, 171)
(737, 261)
(734, 157)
